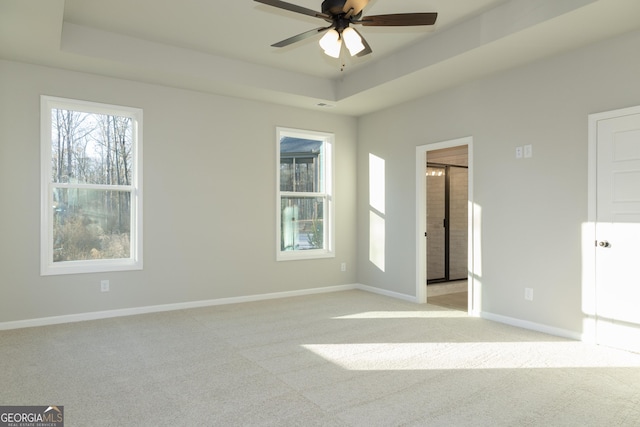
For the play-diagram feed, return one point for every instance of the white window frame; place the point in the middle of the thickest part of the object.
(134, 262)
(327, 172)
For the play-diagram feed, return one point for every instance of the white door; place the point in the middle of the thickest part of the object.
(618, 231)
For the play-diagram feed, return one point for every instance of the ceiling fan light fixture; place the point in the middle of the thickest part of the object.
(331, 43)
(352, 40)
(341, 14)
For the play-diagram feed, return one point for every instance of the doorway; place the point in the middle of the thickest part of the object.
(447, 234)
(445, 240)
(614, 212)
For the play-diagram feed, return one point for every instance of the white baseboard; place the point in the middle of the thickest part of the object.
(525, 324)
(96, 315)
(70, 318)
(396, 295)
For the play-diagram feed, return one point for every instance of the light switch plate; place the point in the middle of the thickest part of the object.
(528, 151)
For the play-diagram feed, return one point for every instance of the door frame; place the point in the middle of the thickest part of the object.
(589, 301)
(474, 300)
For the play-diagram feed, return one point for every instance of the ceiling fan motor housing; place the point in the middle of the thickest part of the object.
(333, 7)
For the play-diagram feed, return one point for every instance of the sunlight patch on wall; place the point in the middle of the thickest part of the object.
(377, 231)
(475, 256)
(376, 240)
(476, 261)
(588, 269)
(377, 183)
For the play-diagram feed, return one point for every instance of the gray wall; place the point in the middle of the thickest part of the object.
(209, 220)
(209, 198)
(532, 210)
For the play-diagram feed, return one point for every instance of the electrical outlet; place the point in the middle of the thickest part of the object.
(518, 152)
(343, 266)
(528, 294)
(104, 286)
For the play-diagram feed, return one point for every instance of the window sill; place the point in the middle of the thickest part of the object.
(304, 255)
(80, 267)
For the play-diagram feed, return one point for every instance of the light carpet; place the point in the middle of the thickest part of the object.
(338, 359)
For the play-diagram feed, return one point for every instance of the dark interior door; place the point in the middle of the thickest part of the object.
(447, 195)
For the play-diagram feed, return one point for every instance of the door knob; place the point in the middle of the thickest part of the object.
(604, 244)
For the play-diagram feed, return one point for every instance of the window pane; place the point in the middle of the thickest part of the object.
(305, 175)
(304, 191)
(301, 160)
(91, 224)
(286, 174)
(90, 148)
(302, 223)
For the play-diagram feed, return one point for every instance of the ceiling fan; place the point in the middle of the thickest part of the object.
(341, 14)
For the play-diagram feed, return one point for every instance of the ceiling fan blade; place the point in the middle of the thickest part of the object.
(354, 7)
(398, 19)
(299, 37)
(294, 8)
(367, 49)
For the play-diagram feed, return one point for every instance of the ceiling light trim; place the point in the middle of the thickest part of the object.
(161, 58)
(502, 21)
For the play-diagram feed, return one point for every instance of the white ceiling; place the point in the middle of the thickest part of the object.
(224, 46)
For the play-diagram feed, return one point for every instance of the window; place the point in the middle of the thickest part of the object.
(91, 187)
(305, 187)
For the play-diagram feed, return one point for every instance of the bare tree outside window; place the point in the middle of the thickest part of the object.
(89, 148)
(91, 185)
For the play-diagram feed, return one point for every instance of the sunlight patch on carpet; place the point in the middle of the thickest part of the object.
(470, 355)
(404, 315)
